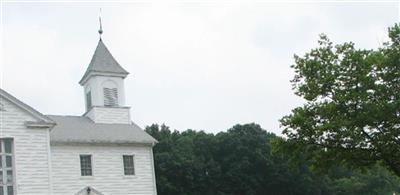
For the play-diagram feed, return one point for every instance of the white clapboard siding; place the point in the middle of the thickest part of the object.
(108, 173)
(30, 150)
(110, 115)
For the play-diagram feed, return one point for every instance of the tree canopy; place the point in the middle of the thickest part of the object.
(246, 159)
(352, 109)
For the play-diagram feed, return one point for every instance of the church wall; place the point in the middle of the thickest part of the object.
(108, 174)
(110, 115)
(30, 150)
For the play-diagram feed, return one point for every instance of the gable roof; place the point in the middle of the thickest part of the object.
(103, 63)
(43, 120)
(80, 129)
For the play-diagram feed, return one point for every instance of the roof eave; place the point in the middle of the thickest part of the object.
(91, 73)
(101, 142)
(26, 107)
(41, 124)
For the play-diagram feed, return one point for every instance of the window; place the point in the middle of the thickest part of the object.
(88, 100)
(110, 96)
(6, 167)
(129, 167)
(86, 165)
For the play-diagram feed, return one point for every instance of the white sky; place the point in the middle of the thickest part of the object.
(204, 65)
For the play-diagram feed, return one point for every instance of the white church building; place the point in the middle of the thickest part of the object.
(101, 152)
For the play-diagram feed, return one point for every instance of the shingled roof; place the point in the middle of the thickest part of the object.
(103, 63)
(80, 129)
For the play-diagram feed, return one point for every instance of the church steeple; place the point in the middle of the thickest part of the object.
(103, 63)
(104, 90)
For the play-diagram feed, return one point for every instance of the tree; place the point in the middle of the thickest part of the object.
(376, 180)
(352, 109)
(183, 161)
(243, 154)
(246, 160)
(238, 161)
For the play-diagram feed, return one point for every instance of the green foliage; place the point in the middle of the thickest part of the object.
(375, 181)
(352, 109)
(248, 160)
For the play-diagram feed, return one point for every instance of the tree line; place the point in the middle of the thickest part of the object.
(246, 160)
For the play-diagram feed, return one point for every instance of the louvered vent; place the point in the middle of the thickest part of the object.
(110, 96)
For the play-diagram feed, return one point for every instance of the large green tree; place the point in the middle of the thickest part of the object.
(352, 109)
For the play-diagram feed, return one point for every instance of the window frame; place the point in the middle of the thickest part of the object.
(4, 169)
(91, 165)
(124, 172)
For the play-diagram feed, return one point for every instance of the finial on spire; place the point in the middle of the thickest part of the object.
(101, 27)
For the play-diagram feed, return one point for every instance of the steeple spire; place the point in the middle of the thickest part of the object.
(103, 63)
(101, 27)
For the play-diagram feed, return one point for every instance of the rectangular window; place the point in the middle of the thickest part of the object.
(110, 96)
(86, 165)
(129, 165)
(10, 190)
(6, 167)
(88, 100)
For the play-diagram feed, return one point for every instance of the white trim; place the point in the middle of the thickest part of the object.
(99, 143)
(118, 107)
(153, 172)
(92, 73)
(14, 165)
(36, 114)
(91, 165)
(134, 165)
(49, 163)
(33, 124)
(4, 168)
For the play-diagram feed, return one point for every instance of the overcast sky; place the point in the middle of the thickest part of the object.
(204, 65)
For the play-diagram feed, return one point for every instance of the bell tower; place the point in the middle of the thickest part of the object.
(104, 91)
